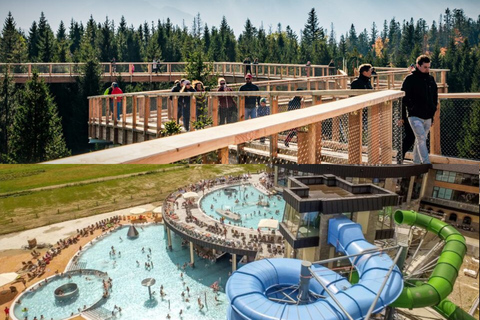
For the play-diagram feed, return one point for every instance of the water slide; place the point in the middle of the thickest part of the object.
(255, 290)
(434, 292)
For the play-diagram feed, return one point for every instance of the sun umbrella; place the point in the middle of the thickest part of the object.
(7, 278)
(189, 195)
(137, 210)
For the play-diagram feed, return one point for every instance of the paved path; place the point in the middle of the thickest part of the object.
(53, 233)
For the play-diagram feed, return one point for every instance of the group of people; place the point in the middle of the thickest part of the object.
(419, 106)
(114, 89)
(183, 107)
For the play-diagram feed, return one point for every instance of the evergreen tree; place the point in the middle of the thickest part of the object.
(105, 41)
(36, 133)
(33, 40)
(75, 36)
(62, 52)
(13, 47)
(312, 31)
(46, 40)
(8, 104)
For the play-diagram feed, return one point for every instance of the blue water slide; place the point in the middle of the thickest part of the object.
(247, 288)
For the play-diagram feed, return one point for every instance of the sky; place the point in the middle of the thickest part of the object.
(342, 13)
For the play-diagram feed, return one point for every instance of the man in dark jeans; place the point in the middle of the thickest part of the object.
(250, 101)
(420, 100)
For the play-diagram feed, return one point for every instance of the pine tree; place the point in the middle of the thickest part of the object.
(62, 53)
(46, 40)
(36, 133)
(33, 39)
(13, 48)
(8, 104)
(75, 36)
(105, 41)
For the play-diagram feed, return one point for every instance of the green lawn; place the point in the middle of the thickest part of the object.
(31, 209)
(15, 178)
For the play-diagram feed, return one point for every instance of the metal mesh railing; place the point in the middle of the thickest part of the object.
(460, 128)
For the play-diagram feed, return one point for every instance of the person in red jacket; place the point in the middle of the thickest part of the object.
(117, 90)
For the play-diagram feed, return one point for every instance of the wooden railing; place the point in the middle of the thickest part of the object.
(165, 69)
(345, 136)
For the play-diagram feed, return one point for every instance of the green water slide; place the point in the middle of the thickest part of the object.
(434, 292)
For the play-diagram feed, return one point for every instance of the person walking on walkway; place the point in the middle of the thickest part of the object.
(117, 90)
(420, 100)
(250, 101)
(263, 110)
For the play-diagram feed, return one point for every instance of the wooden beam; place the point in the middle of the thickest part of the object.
(223, 155)
(159, 115)
(175, 148)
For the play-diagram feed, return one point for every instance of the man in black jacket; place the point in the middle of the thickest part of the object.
(250, 101)
(420, 100)
(363, 81)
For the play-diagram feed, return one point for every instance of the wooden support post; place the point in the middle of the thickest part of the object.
(107, 110)
(193, 112)
(124, 112)
(318, 135)
(274, 137)
(134, 113)
(146, 116)
(373, 134)
(386, 132)
(90, 118)
(355, 137)
(159, 115)
(215, 111)
(175, 109)
(241, 108)
(223, 155)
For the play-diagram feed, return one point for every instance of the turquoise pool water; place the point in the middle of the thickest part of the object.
(42, 301)
(244, 202)
(127, 290)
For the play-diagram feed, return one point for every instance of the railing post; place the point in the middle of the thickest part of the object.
(241, 108)
(386, 136)
(193, 111)
(146, 117)
(373, 139)
(175, 109)
(124, 112)
(274, 137)
(107, 111)
(355, 137)
(435, 146)
(318, 135)
(159, 114)
(90, 116)
(29, 69)
(50, 69)
(215, 111)
(134, 114)
(223, 155)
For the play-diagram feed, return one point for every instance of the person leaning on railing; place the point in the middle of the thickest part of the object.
(250, 101)
(226, 105)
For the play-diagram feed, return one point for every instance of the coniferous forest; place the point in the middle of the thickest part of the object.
(62, 109)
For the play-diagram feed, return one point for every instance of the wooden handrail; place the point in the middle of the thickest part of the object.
(175, 148)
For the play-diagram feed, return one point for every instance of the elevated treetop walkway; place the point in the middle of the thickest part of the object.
(167, 71)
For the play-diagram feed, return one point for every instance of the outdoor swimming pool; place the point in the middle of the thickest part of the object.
(42, 301)
(127, 290)
(244, 200)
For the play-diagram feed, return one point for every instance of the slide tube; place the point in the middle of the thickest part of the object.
(441, 282)
(246, 289)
